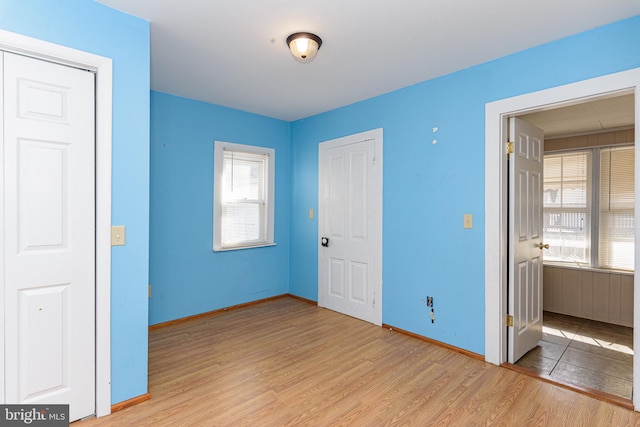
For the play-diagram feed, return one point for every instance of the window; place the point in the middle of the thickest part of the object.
(567, 206)
(589, 207)
(243, 196)
(617, 199)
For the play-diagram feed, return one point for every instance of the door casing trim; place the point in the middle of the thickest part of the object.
(102, 66)
(496, 205)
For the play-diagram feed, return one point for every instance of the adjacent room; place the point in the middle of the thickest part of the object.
(588, 204)
(264, 213)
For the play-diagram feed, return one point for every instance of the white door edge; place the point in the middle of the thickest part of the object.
(377, 136)
(2, 260)
(40, 49)
(496, 174)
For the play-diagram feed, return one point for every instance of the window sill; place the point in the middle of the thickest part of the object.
(236, 248)
(575, 266)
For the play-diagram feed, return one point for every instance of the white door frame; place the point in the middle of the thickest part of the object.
(102, 66)
(496, 176)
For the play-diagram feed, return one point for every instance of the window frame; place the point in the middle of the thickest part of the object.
(594, 208)
(598, 256)
(587, 209)
(268, 188)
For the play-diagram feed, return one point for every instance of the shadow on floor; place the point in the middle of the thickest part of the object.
(585, 353)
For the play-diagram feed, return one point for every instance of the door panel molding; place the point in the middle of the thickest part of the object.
(524, 221)
(350, 267)
(496, 175)
(49, 236)
(102, 66)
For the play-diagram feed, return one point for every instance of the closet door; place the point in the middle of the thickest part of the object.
(49, 234)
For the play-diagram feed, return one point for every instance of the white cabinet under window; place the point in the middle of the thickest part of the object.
(243, 197)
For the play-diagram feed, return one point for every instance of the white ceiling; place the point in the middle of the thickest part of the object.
(233, 52)
(593, 116)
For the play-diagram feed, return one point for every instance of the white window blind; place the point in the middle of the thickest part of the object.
(567, 206)
(243, 196)
(617, 200)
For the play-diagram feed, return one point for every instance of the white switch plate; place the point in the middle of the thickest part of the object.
(468, 221)
(118, 235)
(311, 214)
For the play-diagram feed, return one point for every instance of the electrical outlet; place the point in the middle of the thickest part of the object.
(429, 301)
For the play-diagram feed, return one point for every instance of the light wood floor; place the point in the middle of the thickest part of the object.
(288, 363)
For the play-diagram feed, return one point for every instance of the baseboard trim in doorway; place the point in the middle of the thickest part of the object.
(596, 394)
(130, 402)
(435, 342)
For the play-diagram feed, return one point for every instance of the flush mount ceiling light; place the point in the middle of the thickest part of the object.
(304, 46)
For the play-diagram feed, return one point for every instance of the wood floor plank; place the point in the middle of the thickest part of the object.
(285, 362)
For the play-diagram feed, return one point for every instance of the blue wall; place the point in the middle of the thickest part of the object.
(187, 277)
(428, 187)
(91, 27)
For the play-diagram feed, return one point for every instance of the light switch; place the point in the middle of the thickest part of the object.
(468, 221)
(311, 214)
(117, 235)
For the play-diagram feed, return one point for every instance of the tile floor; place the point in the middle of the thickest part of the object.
(584, 353)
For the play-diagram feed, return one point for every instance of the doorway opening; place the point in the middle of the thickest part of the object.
(588, 207)
(496, 200)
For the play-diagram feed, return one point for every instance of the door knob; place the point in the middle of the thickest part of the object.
(325, 242)
(542, 246)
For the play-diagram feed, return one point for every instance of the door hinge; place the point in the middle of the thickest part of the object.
(510, 320)
(510, 148)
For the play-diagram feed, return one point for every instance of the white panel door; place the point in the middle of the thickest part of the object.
(49, 234)
(350, 226)
(525, 231)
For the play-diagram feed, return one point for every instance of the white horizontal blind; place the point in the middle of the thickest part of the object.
(567, 206)
(616, 228)
(244, 219)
